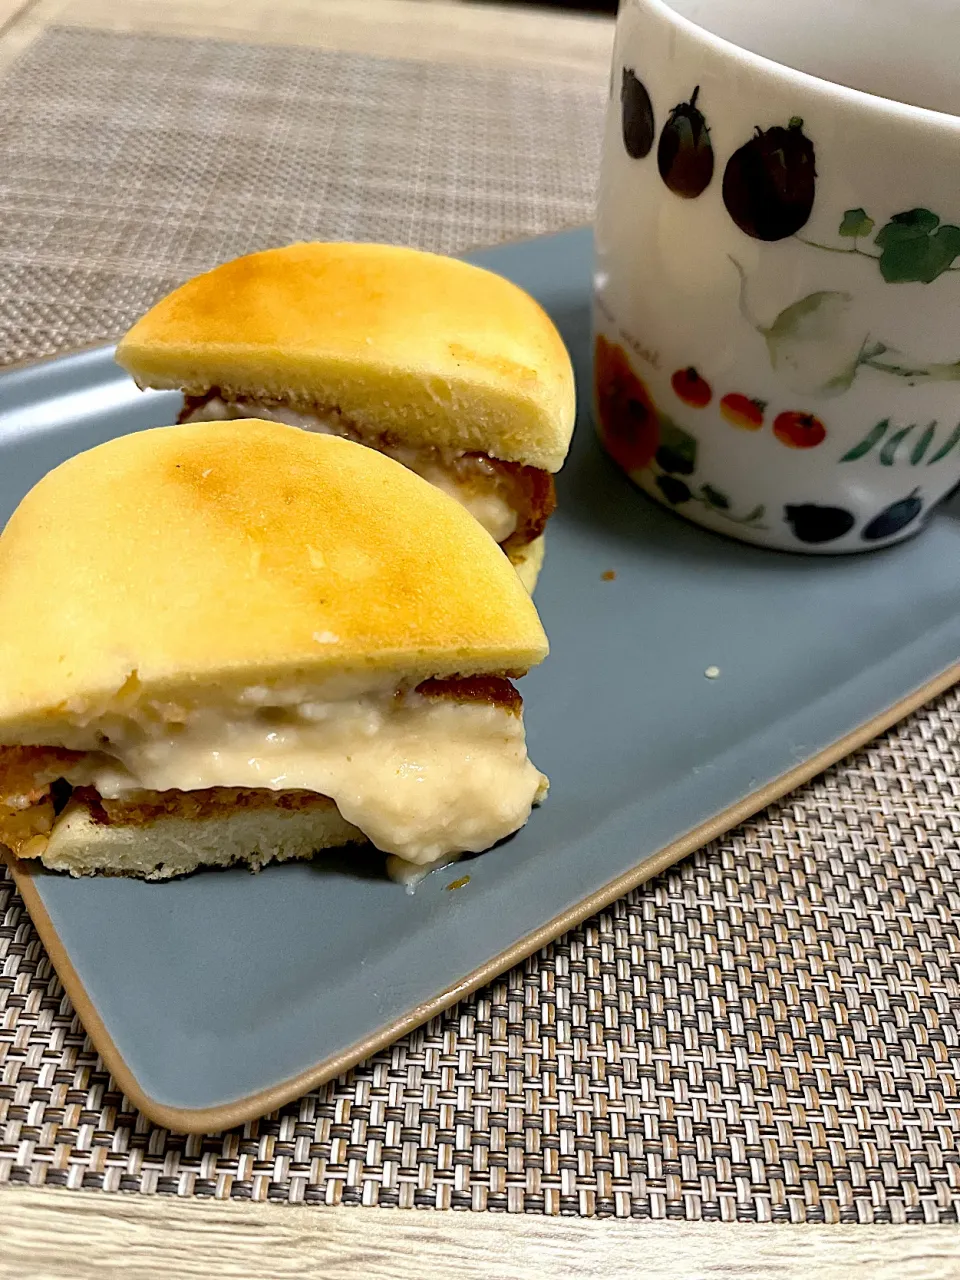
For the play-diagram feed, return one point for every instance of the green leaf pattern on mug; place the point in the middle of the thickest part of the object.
(715, 498)
(915, 246)
(856, 223)
(677, 453)
(891, 453)
(718, 502)
(947, 445)
(922, 444)
(874, 436)
(888, 453)
(676, 457)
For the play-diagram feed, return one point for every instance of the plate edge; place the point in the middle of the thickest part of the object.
(230, 1114)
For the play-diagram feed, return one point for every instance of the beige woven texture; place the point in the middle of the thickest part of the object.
(767, 1032)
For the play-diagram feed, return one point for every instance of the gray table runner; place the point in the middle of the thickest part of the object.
(767, 1032)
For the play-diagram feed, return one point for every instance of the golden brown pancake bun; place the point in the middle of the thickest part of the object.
(185, 558)
(429, 348)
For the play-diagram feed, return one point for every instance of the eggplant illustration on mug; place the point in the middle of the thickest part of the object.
(769, 183)
(636, 116)
(684, 152)
(894, 518)
(816, 524)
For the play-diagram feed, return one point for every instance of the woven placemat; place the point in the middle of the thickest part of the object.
(130, 163)
(767, 1032)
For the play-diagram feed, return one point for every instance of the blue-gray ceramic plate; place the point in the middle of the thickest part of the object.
(217, 997)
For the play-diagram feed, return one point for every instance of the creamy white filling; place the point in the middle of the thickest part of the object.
(412, 874)
(421, 777)
(487, 506)
(476, 491)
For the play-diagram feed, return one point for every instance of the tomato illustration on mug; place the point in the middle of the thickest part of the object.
(691, 388)
(799, 430)
(795, 428)
(742, 411)
(626, 415)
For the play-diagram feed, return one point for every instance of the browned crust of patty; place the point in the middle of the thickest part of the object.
(534, 500)
(496, 690)
(530, 491)
(26, 831)
(148, 806)
(27, 810)
(24, 768)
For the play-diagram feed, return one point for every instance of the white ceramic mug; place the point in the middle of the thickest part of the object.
(777, 294)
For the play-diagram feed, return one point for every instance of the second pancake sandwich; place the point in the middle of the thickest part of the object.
(449, 369)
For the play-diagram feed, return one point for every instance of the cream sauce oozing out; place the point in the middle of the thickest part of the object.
(422, 778)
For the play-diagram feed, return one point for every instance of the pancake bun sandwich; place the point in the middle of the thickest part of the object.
(243, 642)
(445, 367)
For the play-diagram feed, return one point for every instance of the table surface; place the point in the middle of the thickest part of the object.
(54, 1233)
